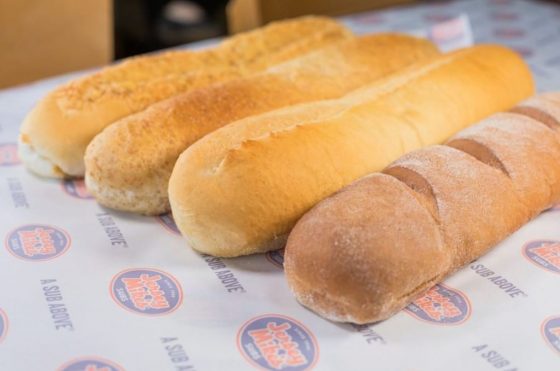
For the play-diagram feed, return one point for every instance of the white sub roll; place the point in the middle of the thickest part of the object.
(129, 164)
(240, 189)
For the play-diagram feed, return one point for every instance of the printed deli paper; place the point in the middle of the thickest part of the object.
(87, 288)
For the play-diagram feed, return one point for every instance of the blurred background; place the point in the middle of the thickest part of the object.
(42, 38)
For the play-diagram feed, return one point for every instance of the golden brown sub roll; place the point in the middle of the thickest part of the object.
(364, 253)
(56, 132)
(240, 189)
(129, 164)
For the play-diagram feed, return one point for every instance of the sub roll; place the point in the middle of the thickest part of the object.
(364, 253)
(129, 164)
(240, 189)
(55, 134)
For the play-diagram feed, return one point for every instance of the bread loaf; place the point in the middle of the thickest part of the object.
(56, 132)
(129, 164)
(240, 189)
(364, 253)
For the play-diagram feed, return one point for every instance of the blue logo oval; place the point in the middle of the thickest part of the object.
(8, 154)
(544, 253)
(277, 342)
(90, 364)
(441, 305)
(276, 257)
(76, 188)
(3, 325)
(147, 291)
(37, 242)
(169, 223)
(551, 332)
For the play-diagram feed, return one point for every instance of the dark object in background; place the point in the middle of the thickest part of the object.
(143, 26)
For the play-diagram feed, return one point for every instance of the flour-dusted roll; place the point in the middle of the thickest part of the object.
(56, 132)
(129, 164)
(364, 253)
(240, 189)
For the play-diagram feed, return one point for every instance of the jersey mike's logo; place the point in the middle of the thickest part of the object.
(509, 33)
(447, 30)
(37, 242)
(441, 305)
(276, 257)
(8, 154)
(523, 50)
(276, 342)
(550, 330)
(147, 291)
(76, 188)
(168, 222)
(544, 253)
(90, 364)
(3, 325)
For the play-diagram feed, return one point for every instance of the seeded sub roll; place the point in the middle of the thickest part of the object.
(55, 133)
(240, 189)
(129, 164)
(364, 253)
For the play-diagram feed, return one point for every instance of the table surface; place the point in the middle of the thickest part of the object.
(69, 312)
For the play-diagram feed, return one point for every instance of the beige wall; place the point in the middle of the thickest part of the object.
(41, 38)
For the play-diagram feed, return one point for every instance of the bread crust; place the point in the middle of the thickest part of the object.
(129, 164)
(239, 187)
(364, 253)
(62, 124)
